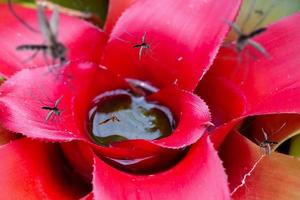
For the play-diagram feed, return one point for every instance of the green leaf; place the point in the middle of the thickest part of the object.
(295, 146)
(23, 2)
(98, 7)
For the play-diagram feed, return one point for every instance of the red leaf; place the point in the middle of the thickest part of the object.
(257, 86)
(7, 136)
(115, 9)
(199, 175)
(35, 170)
(184, 38)
(90, 196)
(253, 175)
(80, 156)
(24, 94)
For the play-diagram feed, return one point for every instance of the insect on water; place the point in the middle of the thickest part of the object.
(113, 118)
(49, 30)
(53, 110)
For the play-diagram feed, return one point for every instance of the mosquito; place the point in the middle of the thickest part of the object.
(266, 144)
(259, 12)
(53, 110)
(53, 47)
(245, 39)
(113, 118)
(143, 46)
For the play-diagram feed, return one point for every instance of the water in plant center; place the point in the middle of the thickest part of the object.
(121, 115)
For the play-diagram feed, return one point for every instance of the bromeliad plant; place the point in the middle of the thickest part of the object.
(122, 119)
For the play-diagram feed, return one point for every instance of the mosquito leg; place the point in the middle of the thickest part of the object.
(54, 68)
(246, 67)
(141, 52)
(258, 47)
(241, 69)
(282, 126)
(44, 97)
(10, 7)
(130, 35)
(252, 56)
(32, 56)
(257, 141)
(46, 57)
(125, 41)
(50, 113)
(122, 40)
(249, 59)
(239, 57)
(235, 28)
(151, 51)
(51, 102)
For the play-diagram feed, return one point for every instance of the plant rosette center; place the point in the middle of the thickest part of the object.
(121, 115)
(128, 122)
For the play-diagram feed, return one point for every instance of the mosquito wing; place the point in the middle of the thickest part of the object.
(58, 101)
(144, 38)
(259, 47)
(49, 115)
(44, 24)
(265, 134)
(235, 27)
(141, 52)
(54, 21)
